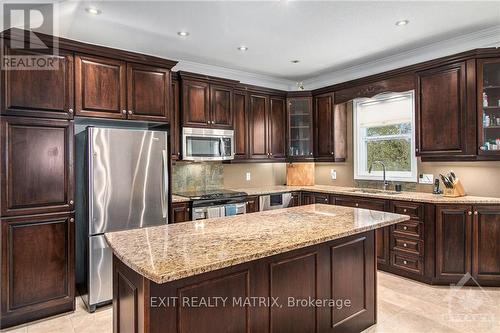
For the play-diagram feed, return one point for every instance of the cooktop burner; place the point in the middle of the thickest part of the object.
(211, 194)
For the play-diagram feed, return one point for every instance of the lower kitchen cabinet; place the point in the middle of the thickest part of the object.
(295, 199)
(37, 263)
(486, 244)
(453, 242)
(252, 204)
(309, 198)
(181, 212)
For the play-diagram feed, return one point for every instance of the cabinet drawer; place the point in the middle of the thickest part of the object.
(415, 211)
(408, 228)
(408, 245)
(407, 263)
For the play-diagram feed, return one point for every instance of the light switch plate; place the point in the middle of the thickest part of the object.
(426, 178)
(333, 174)
(248, 176)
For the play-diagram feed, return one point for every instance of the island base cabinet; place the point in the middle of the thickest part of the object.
(37, 262)
(271, 294)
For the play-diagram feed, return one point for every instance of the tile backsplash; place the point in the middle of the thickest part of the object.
(196, 176)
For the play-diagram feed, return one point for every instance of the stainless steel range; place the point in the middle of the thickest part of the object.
(215, 203)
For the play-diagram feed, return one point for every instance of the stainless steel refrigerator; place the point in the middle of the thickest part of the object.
(128, 188)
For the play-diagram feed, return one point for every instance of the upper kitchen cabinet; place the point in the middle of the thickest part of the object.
(100, 87)
(330, 136)
(300, 126)
(148, 93)
(37, 166)
(240, 121)
(277, 125)
(488, 106)
(258, 124)
(175, 130)
(207, 101)
(446, 117)
(39, 93)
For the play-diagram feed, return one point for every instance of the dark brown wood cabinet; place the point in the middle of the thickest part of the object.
(221, 100)
(37, 166)
(309, 198)
(277, 127)
(100, 87)
(181, 212)
(175, 129)
(148, 93)
(295, 201)
(195, 103)
(486, 244)
(37, 265)
(240, 124)
(39, 93)
(453, 242)
(330, 135)
(252, 203)
(446, 120)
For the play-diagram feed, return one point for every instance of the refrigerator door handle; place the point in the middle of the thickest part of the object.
(164, 185)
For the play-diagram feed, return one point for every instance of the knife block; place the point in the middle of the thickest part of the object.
(456, 191)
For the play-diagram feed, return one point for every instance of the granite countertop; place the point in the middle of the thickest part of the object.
(175, 251)
(402, 196)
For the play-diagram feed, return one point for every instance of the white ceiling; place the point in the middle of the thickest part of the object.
(325, 36)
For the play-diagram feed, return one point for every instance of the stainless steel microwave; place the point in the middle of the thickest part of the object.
(207, 144)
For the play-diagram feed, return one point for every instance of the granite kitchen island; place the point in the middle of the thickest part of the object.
(302, 269)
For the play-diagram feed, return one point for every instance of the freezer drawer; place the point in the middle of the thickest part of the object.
(100, 288)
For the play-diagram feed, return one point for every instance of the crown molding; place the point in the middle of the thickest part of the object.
(234, 74)
(489, 37)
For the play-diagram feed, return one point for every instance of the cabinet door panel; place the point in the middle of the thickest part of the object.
(324, 124)
(195, 104)
(258, 126)
(277, 126)
(486, 243)
(25, 92)
(100, 87)
(252, 204)
(442, 111)
(180, 212)
(37, 166)
(240, 120)
(175, 130)
(453, 242)
(221, 98)
(37, 267)
(148, 93)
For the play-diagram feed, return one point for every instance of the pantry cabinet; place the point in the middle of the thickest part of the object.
(39, 93)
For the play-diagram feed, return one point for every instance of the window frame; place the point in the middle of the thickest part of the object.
(360, 154)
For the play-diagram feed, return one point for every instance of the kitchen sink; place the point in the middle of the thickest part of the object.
(373, 191)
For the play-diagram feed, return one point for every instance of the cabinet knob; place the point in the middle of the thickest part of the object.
(326, 199)
(213, 122)
(469, 212)
(188, 209)
(405, 262)
(416, 149)
(331, 153)
(124, 111)
(208, 121)
(70, 110)
(270, 154)
(405, 228)
(475, 212)
(130, 112)
(405, 245)
(310, 153)
(72, 220)
(71, 202)
(357, 204)
(404, 210)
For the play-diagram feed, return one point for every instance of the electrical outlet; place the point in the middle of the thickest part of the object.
(426, 178)
(333, 174)
(248, 176)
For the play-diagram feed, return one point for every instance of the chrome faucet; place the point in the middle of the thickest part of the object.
(386, 183)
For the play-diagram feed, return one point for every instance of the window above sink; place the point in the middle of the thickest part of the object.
(383, 128)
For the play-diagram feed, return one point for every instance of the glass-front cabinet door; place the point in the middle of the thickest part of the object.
(488, 77)
(300, 128)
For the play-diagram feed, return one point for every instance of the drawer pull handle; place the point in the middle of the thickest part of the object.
(405, 228)
(405, 245)
(405, 262)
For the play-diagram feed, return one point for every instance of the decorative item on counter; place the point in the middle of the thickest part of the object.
(453, 186)
(300, 174)
(436, 189)
(485, 100)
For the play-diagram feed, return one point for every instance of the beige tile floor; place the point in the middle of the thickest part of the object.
(404, 306)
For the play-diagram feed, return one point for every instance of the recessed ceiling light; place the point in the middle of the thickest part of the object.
(243, 48)
(401, 23)
(183, 33)
(295, 61)
(93, 10)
